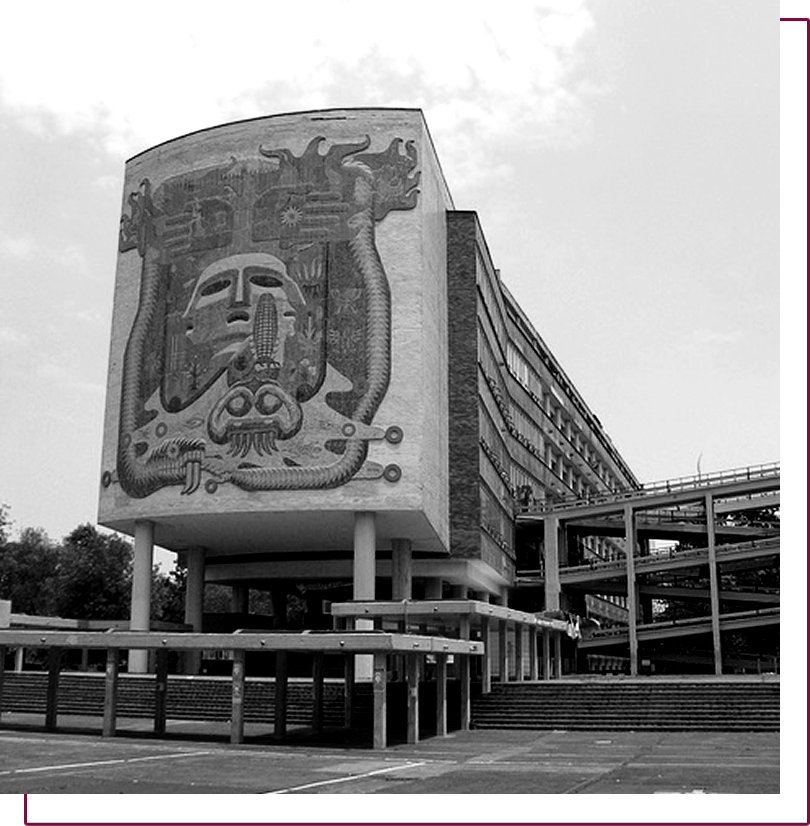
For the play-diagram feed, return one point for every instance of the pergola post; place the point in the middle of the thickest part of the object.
(280, 716)
(110, 693)
(558, 667)
(238, 697)
(413, 663)
(348, 689)
(52, 696)
(486, 665)
(380, 690)
(533, 662)
(546, 654)
(441, 695)
(464, 674)
(503, 651)
(161, 689)
(519, 652)
(317, 691)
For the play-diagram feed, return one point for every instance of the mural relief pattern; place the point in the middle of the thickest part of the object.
(261, 346)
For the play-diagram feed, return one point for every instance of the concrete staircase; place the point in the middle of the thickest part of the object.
(621, 705)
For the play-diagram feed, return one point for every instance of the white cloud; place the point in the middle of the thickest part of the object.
(27, 248)
(134, 79)
(66, 378)
(13, 338)
(19, 247)
(702, 339)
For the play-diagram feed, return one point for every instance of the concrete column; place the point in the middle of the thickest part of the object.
(558, 666)
(486, 665)
(413, 668)
(195, 594)
(364, 572)
(317, 691)
(238, 697)
(52, 695)
(518, 652)
(401, 569)
(464, 674)
(714, 586)
(380, 693)
(141, 590)
(533, 660)
(551, 561)
(458, 592)
(19, 659)
(503, 651)
(110, 693)
(161, 689)
(546, 654)
(365, 555)
(632, 607)
(348, 686)
(441, 695)
(433, 588)
(280, 710)
(240, 599)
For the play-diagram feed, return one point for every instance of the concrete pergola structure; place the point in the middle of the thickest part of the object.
(461, 618)
(377, 644)
(716, 494)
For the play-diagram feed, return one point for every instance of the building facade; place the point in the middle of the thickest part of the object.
(317, 374)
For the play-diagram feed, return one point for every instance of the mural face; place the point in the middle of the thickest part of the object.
(260, 350)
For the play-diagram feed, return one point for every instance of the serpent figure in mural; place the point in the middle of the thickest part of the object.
(261, 346)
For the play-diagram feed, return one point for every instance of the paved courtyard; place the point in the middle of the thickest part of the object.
(196, 759)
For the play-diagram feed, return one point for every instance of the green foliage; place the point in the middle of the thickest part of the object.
(169, 594)
(86, 576)
(28, 572)
(217, 599)
(94, 575)
(5, 524)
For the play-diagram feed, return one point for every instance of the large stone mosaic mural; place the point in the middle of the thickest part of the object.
(261, 346)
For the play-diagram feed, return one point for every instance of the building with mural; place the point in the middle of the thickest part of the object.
(318, 381)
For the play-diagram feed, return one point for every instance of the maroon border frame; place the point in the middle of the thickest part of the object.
(29, 821)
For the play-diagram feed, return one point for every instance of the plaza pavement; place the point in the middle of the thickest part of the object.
(195, 758)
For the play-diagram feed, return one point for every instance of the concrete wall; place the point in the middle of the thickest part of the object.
(264, 268)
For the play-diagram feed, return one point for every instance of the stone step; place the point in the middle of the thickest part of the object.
(655, 706)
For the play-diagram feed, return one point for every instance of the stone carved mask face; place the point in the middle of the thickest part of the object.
(222, 309)
(242, 307)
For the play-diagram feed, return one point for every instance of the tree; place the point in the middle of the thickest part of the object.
(5, 524)
(94, 575)
(28, 572)
(169, 594)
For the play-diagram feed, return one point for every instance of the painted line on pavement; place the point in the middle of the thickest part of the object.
(67, 766)
(348, 778)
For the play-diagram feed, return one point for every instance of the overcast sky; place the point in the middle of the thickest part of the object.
(623, 157)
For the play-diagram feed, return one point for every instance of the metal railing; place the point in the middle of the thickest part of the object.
(678, 485)
(618, 631)
(671, 556)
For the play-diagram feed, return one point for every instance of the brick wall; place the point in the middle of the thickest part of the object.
(462, 295)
